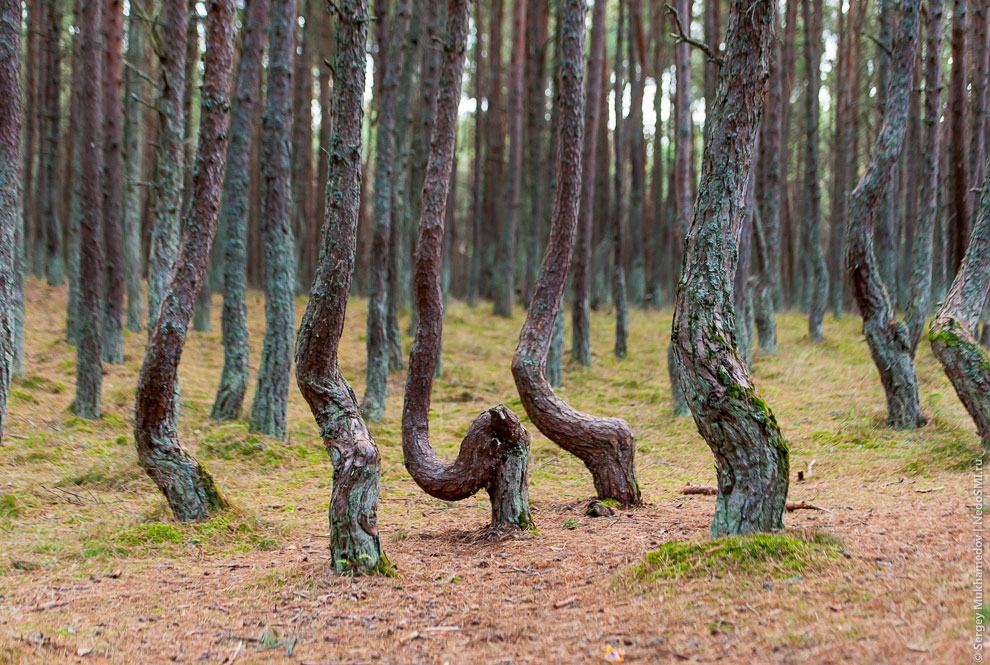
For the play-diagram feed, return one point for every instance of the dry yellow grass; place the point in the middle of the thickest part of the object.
(92, 561)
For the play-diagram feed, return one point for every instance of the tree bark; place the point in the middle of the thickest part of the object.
(581, 266)
(187, 486)
(234, 214)
(302, 148)
(605, 445)
(478, 201)
(959, 197)
(113, 185)
(887, 337)
(271, 397)
(638, 234)
(617, 213)
(750, 452)
(51, 118)
(355, 546)
(494, 454)
(812, 232)
(134, 139)
(11, 172)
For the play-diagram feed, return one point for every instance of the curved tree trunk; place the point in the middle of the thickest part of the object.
(495, 452)
(89, 371)
(113, 184)
(354, 543)
(134, 139)
(581, 267)
(920, 300)
(271, 397)
(10, 192)
(187, 486)
(391, 54)
(605, 445)
(234, 214)
(812, 231)
(887, 337)
(750, 452)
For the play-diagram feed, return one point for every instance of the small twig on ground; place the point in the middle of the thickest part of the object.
(930, 489)
(710, 490)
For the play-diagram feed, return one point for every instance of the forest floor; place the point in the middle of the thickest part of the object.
(93, 568)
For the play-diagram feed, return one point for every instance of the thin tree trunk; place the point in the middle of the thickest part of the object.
(617, 213)
(638, 234)
(355, 546)
(302, 148)
(113, 184)
(269, 410)
(495, 451)
(133, 144)
(605, 445)
(11, 173)
(812, 232)
(785, 292)
(494, 146)
(535, 172)
(887, 338)
(32, 99)
(234, 214)
(581, 266)
(74, 183)
(886, 224)
(187, 486)
(51, 119)
(89, 371)
(959, 208)
(750, 452)
(478, 201)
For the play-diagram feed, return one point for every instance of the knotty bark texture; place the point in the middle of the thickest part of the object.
(187, 486)
(751, 455)
(10, 186)
(355, 546)
(234, 214)
(886, 336)
(271, 398)
(494, 454)
(605, 445)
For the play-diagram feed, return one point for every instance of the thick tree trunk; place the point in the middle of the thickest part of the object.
(605, 445)
(11, 171)
(581, 267)
(750, 452)
(919, 303)
(812, 231)
(113, 184)
(51, 118)
(355, 546)
(391, 54)
(89, 371)
(887, 337)
(234, 214)
(886, 223)
(494, 454)
(134, 139)
(187, 486)
(504, 282)
(271, 397)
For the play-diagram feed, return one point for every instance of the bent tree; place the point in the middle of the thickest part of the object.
(495, 452)
(887, 337)
(605, 445)
(187, 486)
(234, 213)
(354, 543)
(10, 193)
(953, 332)
(750, 453)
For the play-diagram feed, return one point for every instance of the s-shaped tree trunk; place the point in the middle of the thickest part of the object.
(10, 192)
(234, 215)
(605, 445)
(750, 452)
(354, 543)
(495, 452)
(887, 337)
(187, 486)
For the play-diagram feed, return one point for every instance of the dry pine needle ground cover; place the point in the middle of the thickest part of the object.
(93, 568)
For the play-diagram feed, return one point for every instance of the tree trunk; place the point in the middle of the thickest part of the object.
(134, 139)
(812, 232)
(11, 172)
(886, 226)
(959, 197)
(32, 100)
(302, 148)
(750, 452)
(581, 267)
(113, 185)
(391, 53)
(887, 338)
(89, 372)
(494, 454)
(478, 201)
(51, 118)
(919, 303)
(355, 546)
(187, 486)
(504, 286)
(638, 234)
(605, 445)
(74, 183)
(785, 292)
(271, 397)
(617, 213)
(494, 144)
(234, 215)
(535, 177)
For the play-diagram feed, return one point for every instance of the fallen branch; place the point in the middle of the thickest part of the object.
(710, 490)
